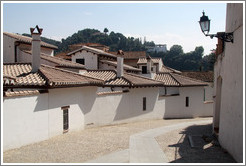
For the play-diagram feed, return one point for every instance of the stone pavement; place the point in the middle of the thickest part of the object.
(143, 148)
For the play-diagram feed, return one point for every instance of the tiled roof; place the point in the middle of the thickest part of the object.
(9, 80)
(130, 80)
(207, 76)
(20, 93)
(46, 76)
(187, 81)
(173, 79)
(104, 75)
(23, 75)
(26, 39)
(137, 80)
(126, 67)
(144, 60)
(59, 61)
(58, 77)
(132, 54)
(165, 69)
(63, 55)
(167, 79)
(93, 50)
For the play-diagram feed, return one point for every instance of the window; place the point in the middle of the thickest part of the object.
(144, 103)
(144, 69)
(187, 101)
(65, 118)
(204, 94)
(81, 61)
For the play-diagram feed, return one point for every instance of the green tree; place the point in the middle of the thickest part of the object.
(105, 30)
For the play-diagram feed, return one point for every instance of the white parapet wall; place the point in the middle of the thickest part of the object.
(175, 106)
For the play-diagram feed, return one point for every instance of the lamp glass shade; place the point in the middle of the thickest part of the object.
(204, 23)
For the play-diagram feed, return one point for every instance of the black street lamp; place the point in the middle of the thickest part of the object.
(205, 27)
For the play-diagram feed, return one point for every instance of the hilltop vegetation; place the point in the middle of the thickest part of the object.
(174, 58)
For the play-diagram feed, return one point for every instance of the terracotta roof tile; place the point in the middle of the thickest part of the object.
(58, 77)
(165, 69)
(26, 39)
(207, 76)
(59, 61)
(104, 75)
(20, 93)
(131, 80)
(93, 50)
(132, 54)
(173, 79)
(137, 80)
(167, 79)
(144, 60)
(46, 76)
(126, 67)
(23, 74)
(9, 80)
(187, 81)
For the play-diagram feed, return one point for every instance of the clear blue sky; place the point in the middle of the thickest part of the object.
(163, 23)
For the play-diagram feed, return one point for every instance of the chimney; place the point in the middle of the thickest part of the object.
(36, 32)
(120, 63)
(148, 64)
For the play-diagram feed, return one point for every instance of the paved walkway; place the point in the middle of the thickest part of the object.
(143, 148)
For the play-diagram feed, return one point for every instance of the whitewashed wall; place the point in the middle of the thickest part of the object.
(91, 59)
(175, 106)
(8, 49)
(30, 119)
(229, 67)
(125, 107)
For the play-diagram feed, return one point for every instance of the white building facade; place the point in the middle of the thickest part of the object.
(228, 76)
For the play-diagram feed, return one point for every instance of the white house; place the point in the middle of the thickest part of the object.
(14, 43)
(95, 59)
(228, 91)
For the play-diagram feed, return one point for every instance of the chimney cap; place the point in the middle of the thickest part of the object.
(38, 29)
(120, 53)
(148, 58)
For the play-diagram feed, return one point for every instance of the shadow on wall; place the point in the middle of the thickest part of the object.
(83, 97)
(206, 147)
(132, 105)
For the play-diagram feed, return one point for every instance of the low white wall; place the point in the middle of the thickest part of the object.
(25, 120)
(126, 107)
(175, 106)
(30, 119)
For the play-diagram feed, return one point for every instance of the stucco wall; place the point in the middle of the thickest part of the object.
(229, 67)
(175, 106)
(25, 120)
(125, 107)
(30, 119)
(91, 60)
(8, 49)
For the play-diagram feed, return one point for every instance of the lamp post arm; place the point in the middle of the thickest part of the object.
(227, 37)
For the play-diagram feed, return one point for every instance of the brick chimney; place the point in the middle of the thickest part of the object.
(120, 63)
(36, 32)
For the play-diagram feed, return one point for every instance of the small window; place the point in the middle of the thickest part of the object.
(65, 118)
(144, 69)
(81, 61)
(204, 94)
(144, 103)
(187, 101)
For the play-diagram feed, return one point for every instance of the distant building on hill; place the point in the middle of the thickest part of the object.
(158, 48)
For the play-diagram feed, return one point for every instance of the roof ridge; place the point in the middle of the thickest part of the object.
(193, 79)
(174, 78)
(67, 71)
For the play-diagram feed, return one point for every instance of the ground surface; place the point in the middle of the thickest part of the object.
(81, 146)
